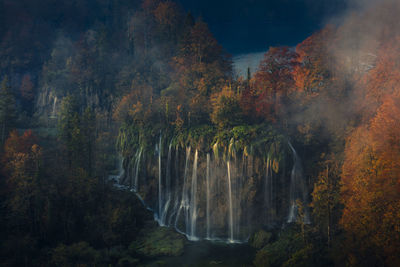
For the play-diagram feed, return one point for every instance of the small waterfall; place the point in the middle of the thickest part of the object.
(159, 183)
(193, 200)
(53, 112)
(208, 195)
(167, 188)
(136, 168)
(267, 184)
(268, 190)
(176, 186)
(271, 188)
(297, 189)
(271, 192)
(184, 200)
(230, 203)
(121, 172)
(236, 190)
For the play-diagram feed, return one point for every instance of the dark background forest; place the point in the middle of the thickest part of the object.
(84, 82)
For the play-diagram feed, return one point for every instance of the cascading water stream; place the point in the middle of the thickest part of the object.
(224, 196)
(184, 200)
(208, 196)
(267, 184)
(297, 189)
(193, 200)
(293, 180)
(159, 183)
(136, 168)
(268, 190)
(53, 113)
(176, 191)
(167, 188)
(230, 203)
(136, 182)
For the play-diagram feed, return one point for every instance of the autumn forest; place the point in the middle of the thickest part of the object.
(129, 138)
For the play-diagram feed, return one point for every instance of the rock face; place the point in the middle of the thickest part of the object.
(46, 106)
(209, 195)
(49, 99)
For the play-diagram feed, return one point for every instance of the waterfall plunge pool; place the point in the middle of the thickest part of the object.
(208, 253)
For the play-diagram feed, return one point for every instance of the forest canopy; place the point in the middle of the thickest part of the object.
(86, 86)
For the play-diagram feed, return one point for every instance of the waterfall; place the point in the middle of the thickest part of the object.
(268, 190)
(230, 203)
(53, 112)
(121, 172)
(223, 196)
(236, 186)
(159, 183)
(208, 195)
(267, 183)
(137, 163)
(133, 171)
(167, 188)
(193, 200)
(297, 189)
(271, 192)
(176, 185)
(184, 201)
(271, 188)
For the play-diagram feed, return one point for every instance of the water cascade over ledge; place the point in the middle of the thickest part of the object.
(220, 194)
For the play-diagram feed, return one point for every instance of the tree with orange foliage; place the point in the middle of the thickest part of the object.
(371, 188)
(150, 5)
(166, 13)
(273, 81)
(310, 75)
(226, 108)
(382, 80)
(326, 199)
(21, 161)
(201, 69)
(137, 106)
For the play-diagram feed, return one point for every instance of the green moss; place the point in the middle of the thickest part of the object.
(279, 252)
(76, 254)
(301, 258)
(159, 241)
(260, 140)
(260, 239)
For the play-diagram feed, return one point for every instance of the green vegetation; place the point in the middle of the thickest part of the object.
(100, 79)
(260, 239)
(160, 241)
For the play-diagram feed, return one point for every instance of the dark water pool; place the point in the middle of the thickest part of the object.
(209, 253)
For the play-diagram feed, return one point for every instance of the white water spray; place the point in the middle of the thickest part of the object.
(193, 200)
(159, 182)
(184, 200)
(297, 189)
(208, 195)
(230, 203)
